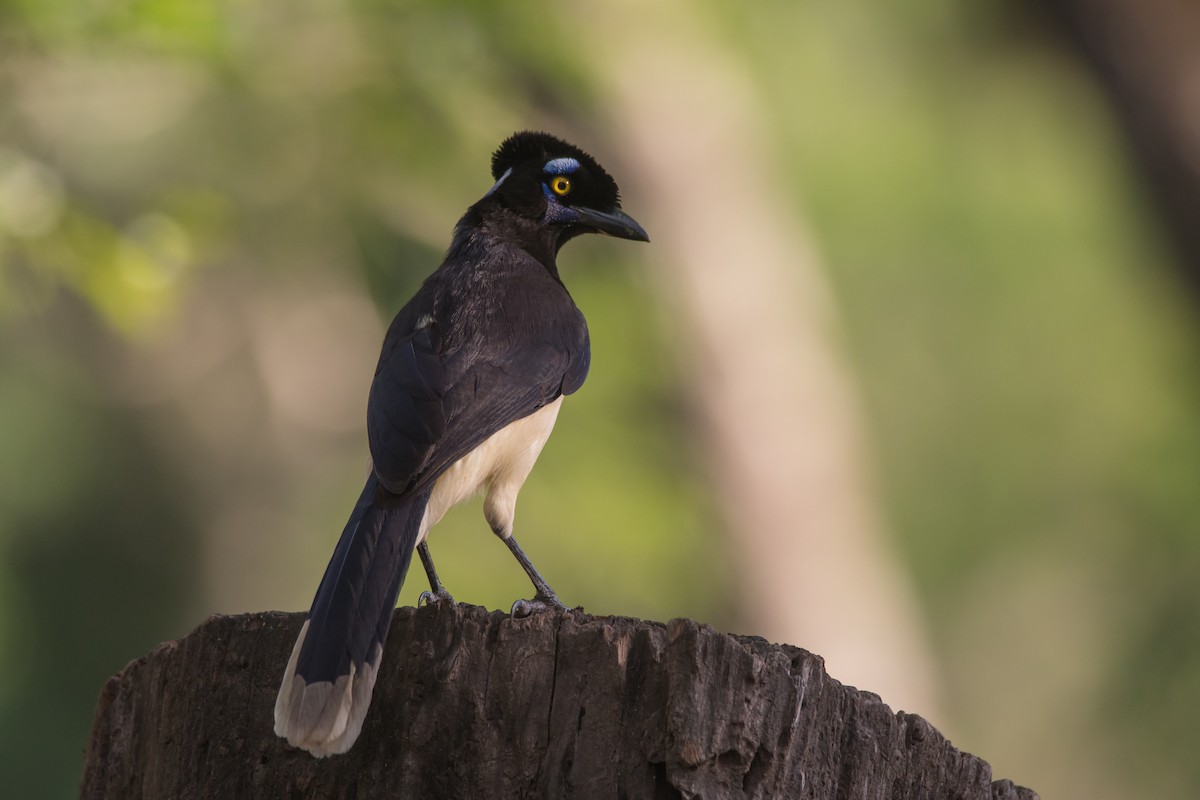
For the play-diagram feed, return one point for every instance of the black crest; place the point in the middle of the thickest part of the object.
(535, 148)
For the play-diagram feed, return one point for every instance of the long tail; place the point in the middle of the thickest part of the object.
(329, 679)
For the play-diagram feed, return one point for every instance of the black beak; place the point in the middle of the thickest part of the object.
(614, 223)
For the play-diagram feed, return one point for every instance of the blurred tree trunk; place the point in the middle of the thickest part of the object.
(777, 415)
(476, 704)
(1147, 55)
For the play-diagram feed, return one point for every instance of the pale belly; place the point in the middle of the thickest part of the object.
(499, 466)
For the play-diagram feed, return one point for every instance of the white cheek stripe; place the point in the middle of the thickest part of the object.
(496, 185)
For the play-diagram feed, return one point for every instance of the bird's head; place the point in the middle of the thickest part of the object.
(559, 187)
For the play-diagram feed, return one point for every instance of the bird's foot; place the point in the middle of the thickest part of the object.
(435, 598)
(541, 602)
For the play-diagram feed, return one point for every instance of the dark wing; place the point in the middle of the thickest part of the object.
(405, 414)
(498, 389)
(578, 365)
(427, 409)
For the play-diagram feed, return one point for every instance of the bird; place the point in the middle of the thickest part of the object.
(470, 379)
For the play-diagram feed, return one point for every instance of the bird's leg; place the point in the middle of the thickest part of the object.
(545, 598)
(437, 592)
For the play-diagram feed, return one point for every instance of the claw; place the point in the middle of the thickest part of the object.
(434, 598)
(540, 603)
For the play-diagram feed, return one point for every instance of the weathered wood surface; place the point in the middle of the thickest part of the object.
(474, 704)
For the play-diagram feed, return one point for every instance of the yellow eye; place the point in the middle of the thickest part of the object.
(561, 185)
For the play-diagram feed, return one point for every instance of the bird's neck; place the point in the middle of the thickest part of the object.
(491, 226)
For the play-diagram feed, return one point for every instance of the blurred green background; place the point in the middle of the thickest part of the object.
(209, 212)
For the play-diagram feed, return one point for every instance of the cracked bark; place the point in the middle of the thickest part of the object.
(476, 704)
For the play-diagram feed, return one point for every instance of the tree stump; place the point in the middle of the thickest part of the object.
(475, 704)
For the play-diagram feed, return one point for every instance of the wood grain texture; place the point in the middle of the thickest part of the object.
(472, 703)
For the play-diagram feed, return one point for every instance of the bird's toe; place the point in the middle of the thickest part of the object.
(435, 599)
(540, 603)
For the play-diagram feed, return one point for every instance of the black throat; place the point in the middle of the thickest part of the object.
(490, 219)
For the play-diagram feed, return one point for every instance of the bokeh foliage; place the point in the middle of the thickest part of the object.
(1028, 357)
(176, 178)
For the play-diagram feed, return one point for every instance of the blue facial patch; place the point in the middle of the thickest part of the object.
(558, 213)
(560, 166)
